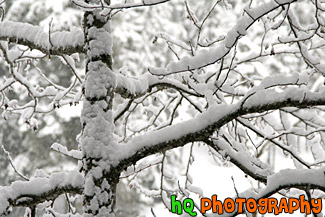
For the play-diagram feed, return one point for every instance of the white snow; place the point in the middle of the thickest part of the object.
(215, 54)
(37, 186)
(213, 115)
(61, 149)
(36, 35)
(290, 177)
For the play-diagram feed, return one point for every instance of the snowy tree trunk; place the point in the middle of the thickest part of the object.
(97, 122)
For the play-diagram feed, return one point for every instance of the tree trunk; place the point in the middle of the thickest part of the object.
(97, 141)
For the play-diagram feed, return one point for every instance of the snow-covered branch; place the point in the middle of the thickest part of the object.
(212, 56)
(246, 93)
(56, 92)
(239, 156)
(131, 87)
(289, 178)
(119, 6)
(63, 150)
(204, 125)
(40, 189)
(137, 4)
(312, 178)
(289, 149)
(57, 43)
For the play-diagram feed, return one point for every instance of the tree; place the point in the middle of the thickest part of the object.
(252, 87)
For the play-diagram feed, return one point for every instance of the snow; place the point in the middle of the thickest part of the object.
(102, 41)
(239, 30)
(313, 60)
(36, 35)
(133, 85)
(281, 80)
(98, 77)
(78, 96)
(290, 177)
(143, 190)
(317, 150)
(141, 165)
(239, 154)
(271, 96)
(97, 139)
(176, 131)
(195, 189)
(52, 212)
(290, 39)
(214, 115)
(66, 39)
(50, 91)
(83, 5)
(321, 67)
(61, 149)
(20, 190)
(141, 84)
(7, 83)
(89, 187)
(213, 55)
(98, 132)
(172, 40)
(276, 182)
(200, 60)
(28, 109)
(13, 103)
(109, 8)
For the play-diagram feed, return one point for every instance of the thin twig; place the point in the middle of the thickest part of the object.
(12, 165)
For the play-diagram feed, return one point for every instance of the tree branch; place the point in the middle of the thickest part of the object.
(289, 178)
(34, 37)
(204, 125)
(134, 88)
(241, 158)
(119, 6)
(38, 190)
(212, 56)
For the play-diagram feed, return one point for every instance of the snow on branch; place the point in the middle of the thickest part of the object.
(204, 125)
(40, 189)
(132, 5)
(119, 6)
(131, 87)
(289, 178)
(76, 154)
(290, 149)
(241, 158)
(312, 178)
(59, 95)
(57, 43)
(12, 164)
(206, 58)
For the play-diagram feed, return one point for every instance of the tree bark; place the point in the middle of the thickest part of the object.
(97, 141)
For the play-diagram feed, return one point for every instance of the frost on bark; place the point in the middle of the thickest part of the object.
(97, 121)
